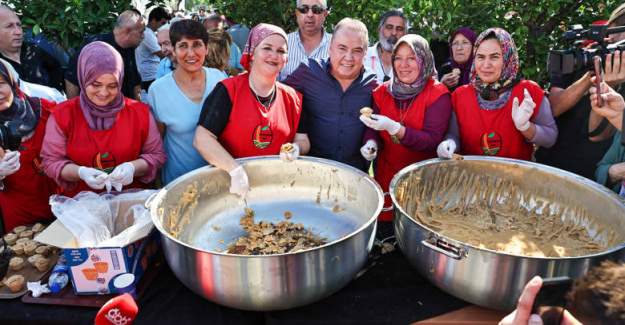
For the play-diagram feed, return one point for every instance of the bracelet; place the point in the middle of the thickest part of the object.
(602, 126)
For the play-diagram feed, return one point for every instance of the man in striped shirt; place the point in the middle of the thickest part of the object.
(310, 40)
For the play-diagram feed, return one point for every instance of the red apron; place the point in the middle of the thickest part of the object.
(103, 149)
(394, 156)
(24, 199)
(254, 130)
(492, 132)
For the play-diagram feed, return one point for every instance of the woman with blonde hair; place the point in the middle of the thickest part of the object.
(218, 50)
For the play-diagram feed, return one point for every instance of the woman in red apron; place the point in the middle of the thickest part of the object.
(412, 113)
(498, 113)
(252, 114)
(101, 139)
(24, 188)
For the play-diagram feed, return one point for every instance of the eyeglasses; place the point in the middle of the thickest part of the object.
(303, 9)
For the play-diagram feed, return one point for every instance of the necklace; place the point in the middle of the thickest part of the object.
(402, 115)
(264, 103)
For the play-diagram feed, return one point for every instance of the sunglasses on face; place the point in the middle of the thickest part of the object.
(315, 9)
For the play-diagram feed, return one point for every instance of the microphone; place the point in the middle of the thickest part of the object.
(120, 310)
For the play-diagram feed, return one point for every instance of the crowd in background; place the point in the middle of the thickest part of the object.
(159, 96)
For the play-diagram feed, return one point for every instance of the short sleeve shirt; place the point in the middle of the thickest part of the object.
(147, 61)
(38, 67)
(297, 53)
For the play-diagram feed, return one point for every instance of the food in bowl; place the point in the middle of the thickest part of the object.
(265, 238)
(492, 213)
(366, 111)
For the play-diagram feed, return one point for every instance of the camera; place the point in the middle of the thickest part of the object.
(578, 58)
(10, 136)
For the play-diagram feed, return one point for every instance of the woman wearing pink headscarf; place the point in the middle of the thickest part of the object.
(252, 114)
(100, 138)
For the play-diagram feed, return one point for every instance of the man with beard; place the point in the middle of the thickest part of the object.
(309, 41)
(393, 25)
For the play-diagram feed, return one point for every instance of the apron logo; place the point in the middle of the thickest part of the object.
(491, 143)
(262, 136)
(104, 162)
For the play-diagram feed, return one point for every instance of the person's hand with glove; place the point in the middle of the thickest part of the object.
(289, 151)
(121, 176)
(239, 183)
(370, 150)
(94, 178)
(521, 113)
(446, 149)
(381, 123)
(10, 163)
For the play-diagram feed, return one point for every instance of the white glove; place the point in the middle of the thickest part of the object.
(370, 150)
(381, 123)
(96, 179)
(121, 176)
(521, 113)
(239, 184)
(446, 149)
(10, 163)
(289, 155)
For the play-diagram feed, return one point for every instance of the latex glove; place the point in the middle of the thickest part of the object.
(289, 155)
(521, 114)
(122, 175)
(94, 178)
(10, 163)
(381, 123)
(370, 150)
(446, 149)
(239, 184)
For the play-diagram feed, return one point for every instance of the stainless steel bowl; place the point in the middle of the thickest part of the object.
(335, 200)
(490, 278)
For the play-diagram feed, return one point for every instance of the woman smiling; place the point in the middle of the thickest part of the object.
(252, 114)
(498, 113)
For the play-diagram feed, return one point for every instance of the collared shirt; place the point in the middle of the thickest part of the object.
(331, 115)
(164, 67)
(38, 67)
(297, 53)
(373, 64)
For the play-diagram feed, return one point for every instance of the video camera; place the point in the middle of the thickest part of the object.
(10, 136)
(578, 58)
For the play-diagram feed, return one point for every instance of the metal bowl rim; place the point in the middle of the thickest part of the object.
(163, 191)
(509, 161)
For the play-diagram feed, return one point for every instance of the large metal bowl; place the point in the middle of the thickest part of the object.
(490, 278)
(336, 201)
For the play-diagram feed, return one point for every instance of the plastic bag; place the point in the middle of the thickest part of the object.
(98, 219)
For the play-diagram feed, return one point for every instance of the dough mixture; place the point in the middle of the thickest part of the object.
(494, 214)
(266, 238)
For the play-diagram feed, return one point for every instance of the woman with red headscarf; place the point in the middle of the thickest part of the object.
(100, 138)
(252, 114)
(461, 58)
(24, 188)
(498, 113)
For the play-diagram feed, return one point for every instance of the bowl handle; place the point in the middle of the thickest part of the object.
(389, 208)
(445, 248)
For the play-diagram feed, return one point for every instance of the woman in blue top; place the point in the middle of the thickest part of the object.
(176, 99)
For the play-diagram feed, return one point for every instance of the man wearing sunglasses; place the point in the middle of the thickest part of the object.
(310, 40)
(393, 25)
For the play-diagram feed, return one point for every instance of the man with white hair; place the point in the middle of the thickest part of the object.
(126, 36)
(393, 25)
(32, 62)
(310, 40)
(166, 64)
(335, 89)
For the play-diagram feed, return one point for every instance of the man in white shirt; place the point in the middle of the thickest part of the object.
(393, 25)
(310, 40)
(149, 54)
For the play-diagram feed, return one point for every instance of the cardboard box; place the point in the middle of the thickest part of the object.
(93, 270)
